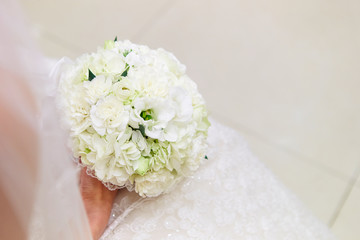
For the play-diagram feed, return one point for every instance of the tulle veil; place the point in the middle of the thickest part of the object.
(39, 197)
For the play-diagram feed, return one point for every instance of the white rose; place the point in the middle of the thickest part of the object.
(124, 90)
(109, 115)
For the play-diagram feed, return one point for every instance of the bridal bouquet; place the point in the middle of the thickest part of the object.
(136, 119)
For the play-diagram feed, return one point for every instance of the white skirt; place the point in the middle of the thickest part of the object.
(231, 196)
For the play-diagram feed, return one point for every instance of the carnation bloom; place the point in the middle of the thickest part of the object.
(99, 87)
(108, 115)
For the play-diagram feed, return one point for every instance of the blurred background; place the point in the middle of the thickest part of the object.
(284, 74)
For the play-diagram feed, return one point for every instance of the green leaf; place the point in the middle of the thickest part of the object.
(91, 75)
(148, 117)
(142, 130)
(206, 157)
(143, 114)
(127, 52)
(125, 73)
(115, 40)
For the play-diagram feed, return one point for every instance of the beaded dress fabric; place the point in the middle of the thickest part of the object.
(231, 196)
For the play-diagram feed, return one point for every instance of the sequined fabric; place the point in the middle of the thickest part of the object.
(232, 196)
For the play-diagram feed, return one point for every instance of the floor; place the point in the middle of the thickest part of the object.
(285, 74)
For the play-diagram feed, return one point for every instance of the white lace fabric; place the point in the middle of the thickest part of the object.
(232, 196)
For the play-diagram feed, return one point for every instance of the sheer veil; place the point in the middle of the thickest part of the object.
(39, 197)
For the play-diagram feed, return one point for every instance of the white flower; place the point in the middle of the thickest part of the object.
(183, 104)
(140, 142)
(160, 113)
(134, 59)
(172, 62)
(200, 117)
(127, 154)
(107, 62)
(103, 166)
(124, 90)
(150, 83)
(81, 144)
(124, 136)
(196, 152)
(78, 112)
(154, 183)
(109, 115)
(119, 176)
(161, 156)
(92, 148)
(102, 146)
(166, 116)
(97, 88)
(108, 170)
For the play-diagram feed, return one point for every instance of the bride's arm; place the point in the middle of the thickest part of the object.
(98, 201)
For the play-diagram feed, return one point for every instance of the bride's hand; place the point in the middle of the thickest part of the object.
(98, 201)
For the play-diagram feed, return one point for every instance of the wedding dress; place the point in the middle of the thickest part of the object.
(232, 195)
